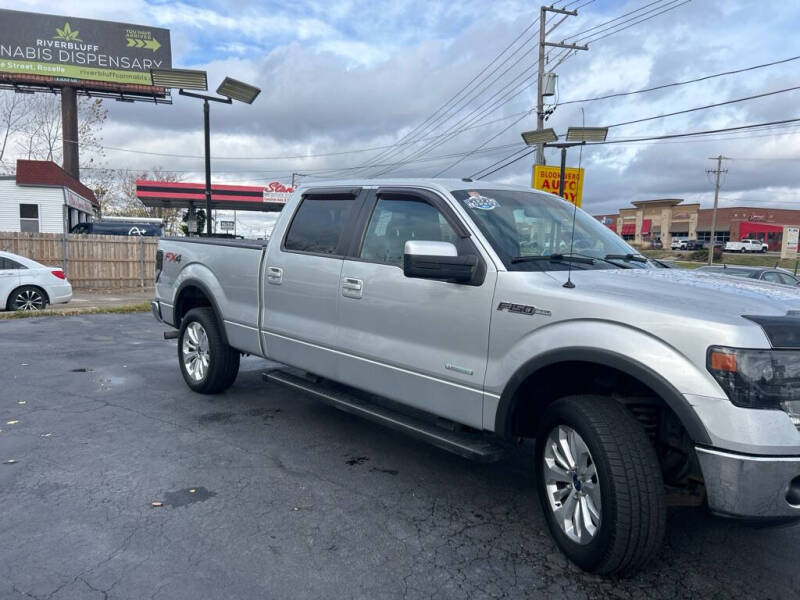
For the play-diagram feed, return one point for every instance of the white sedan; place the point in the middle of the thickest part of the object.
(28, 285)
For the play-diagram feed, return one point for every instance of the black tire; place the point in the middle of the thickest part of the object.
(27, 298)
(222, 364)
(633, 504)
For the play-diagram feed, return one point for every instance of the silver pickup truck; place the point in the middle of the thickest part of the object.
(476, 315)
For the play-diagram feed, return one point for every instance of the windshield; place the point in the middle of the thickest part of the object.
(524, 225)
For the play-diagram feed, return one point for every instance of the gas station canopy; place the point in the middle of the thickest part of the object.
(168, 194)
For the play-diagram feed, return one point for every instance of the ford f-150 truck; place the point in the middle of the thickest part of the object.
(476, 315)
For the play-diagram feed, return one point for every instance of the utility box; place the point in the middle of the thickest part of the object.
(549, 84)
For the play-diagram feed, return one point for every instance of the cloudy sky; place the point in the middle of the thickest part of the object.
(345, 81)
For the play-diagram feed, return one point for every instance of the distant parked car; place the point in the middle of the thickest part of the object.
(656, 244)
(27, 285)
(679, 243)
(779, 276)
(113, 226)
(746, 245)
(692, 245)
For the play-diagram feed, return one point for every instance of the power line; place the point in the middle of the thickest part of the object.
(564, 56)
(414, 133)
(298, 156)
(688, 110)
(678, 83)
(659, 137)
(602, 37)
(574, 35)
(465, 102)
(328, 170)
(633, 20)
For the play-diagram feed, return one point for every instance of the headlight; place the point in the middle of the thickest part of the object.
(767, 379)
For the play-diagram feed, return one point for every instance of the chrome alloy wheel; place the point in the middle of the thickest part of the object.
(29, 299)
(196, 353)
(572, 485)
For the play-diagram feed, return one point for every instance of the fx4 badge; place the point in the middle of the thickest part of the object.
(523, 309)
(172, 257)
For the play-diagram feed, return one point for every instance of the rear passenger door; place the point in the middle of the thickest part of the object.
(9, 278)
(301, 280)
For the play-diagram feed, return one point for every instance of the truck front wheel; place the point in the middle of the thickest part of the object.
(208, 364)
(600, 485)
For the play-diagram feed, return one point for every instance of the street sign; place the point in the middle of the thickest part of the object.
(548, 178)
(791, 237)
(49, 49)
(227, 225)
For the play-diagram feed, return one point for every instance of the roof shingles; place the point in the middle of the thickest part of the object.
(45, 172)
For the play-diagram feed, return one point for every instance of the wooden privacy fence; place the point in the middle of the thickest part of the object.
(90, 261)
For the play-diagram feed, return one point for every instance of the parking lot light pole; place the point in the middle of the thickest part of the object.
(576, 136)
(229, 90)
(207, 140)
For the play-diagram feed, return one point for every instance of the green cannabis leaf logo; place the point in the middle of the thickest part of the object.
(67, 34)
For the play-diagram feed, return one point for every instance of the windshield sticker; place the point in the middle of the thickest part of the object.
(479, 202)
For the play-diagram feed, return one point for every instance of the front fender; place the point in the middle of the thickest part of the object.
(641, 355)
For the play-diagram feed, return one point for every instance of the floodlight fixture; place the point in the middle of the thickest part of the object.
(587, 134)
(238, 90)
(539, 136)
(188, 79)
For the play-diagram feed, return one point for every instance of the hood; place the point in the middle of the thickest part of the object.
(704, 295)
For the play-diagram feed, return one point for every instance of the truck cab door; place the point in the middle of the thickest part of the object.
(300, 280)
(422, 342)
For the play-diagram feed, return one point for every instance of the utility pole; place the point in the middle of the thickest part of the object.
(543, 43)
(718, 171)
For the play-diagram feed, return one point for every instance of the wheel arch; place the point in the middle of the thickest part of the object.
(24, 285)
(193, 293)
(512, 400)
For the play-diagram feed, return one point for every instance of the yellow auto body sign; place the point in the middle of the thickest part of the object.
(548, 179)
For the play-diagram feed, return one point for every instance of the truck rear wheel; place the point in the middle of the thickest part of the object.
(208, 364)
(600, 485)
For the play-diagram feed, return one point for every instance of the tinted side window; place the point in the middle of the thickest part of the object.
(776, 277)
(394, 222)
(318, 225)
(7, 263)
(788, 279)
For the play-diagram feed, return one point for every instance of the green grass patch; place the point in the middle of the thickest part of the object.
(684, 259)
(127, 308)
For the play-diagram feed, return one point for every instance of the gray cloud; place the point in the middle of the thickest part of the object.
(319, 95)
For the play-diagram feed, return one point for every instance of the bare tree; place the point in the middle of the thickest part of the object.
(13, 119)
(117, 195)
(39, 136)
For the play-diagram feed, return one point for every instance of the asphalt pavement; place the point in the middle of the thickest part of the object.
(266, 493)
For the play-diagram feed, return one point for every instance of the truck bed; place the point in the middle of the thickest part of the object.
(229, 270)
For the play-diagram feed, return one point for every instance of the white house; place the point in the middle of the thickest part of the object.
(43, 197)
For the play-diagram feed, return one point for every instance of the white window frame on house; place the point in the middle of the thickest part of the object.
(22, 219)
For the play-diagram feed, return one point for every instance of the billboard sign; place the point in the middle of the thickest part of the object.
(65, 50)
(548, 179)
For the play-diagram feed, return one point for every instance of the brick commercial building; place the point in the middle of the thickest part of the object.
(668, 218)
